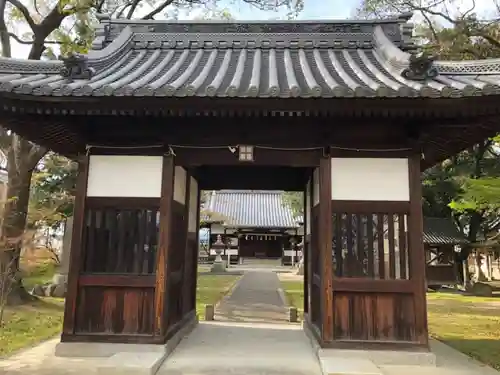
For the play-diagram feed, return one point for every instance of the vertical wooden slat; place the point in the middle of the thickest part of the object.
(380, 246)
(360, 245)
(186, 274)
(402, 246)
(121, 243)
(339, 272)
(112, 240)
(152, 240)
(164, 238)
(370, 247)
(141, 234)
(349, 246)
(392, 246)
(89, 241)
(305, 254)
(416, 249)
(325, 247)
(76, 257)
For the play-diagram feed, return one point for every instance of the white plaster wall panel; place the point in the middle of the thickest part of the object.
(308, 207)
(219, 229)
(370, 179)
(124, 176)
(193, 206)
(315, 183)
(180, 185)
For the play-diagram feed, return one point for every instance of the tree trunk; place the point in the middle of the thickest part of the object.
(22, 158)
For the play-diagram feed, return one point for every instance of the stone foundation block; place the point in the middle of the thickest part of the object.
(132, 364)
(348, 366)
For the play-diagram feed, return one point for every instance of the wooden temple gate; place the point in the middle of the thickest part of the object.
(134, 258)
(342, 110)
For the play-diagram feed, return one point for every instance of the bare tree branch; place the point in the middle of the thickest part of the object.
(26, 13)
(4, 37)
(132, 9)
(153, 13)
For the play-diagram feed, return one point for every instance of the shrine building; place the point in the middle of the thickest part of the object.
(348, 112)
(257, 226)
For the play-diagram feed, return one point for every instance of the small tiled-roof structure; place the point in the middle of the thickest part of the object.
(283, 59)
(251, 209)
(442, 231)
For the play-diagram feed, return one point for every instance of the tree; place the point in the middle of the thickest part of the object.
(294, 200)
(65, 24)
(465, 186)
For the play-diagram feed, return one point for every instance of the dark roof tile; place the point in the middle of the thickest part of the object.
(254, 59)
(442, 231)
(251, 208)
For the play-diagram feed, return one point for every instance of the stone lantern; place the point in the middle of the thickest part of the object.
(218, 246)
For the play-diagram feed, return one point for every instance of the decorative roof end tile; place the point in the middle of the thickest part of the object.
(76, 67)
(421, 67)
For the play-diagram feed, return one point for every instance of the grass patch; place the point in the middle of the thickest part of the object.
(43, 273)
(451, 297)
(211, 289)
(467, 323)
(473, 329)
(294, 292)
(30, 324)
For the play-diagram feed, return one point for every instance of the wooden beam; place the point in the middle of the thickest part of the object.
(416, 250)
(186, 269)
(129, 281)
(325, 247)
(305, 251)
(164, 240)
(195, 255)
(77, 251)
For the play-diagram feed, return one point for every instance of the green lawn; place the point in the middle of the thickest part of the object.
(467, 323)
(211, 288)
(27, 325)
(294, 292)
(30, 324)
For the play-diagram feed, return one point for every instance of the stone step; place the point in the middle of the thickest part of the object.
(261, 262)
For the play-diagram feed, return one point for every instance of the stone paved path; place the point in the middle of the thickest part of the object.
(228, 348)
(256, 298)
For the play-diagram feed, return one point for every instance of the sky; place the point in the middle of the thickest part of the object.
(313, 10)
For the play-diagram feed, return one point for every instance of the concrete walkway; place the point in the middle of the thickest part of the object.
(257, 298)
(224, 348)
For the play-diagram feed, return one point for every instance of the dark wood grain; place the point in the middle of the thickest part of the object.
(115, 310)
(416, 250)
(164, 239)
(325, 246)
(77, 255)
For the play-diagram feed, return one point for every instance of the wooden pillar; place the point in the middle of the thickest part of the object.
(305, 252)
(416, 249)
(164, 241)
(76, 257)
(196, 248)
(186, 272)
(325, 248)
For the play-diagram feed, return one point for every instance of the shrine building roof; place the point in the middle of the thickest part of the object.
(284, 59)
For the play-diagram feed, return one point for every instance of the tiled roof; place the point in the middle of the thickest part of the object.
(254, 59)
(252, 208)
(441, 231)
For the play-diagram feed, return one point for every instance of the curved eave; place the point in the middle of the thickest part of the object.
(248, 66)
(15, 105)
